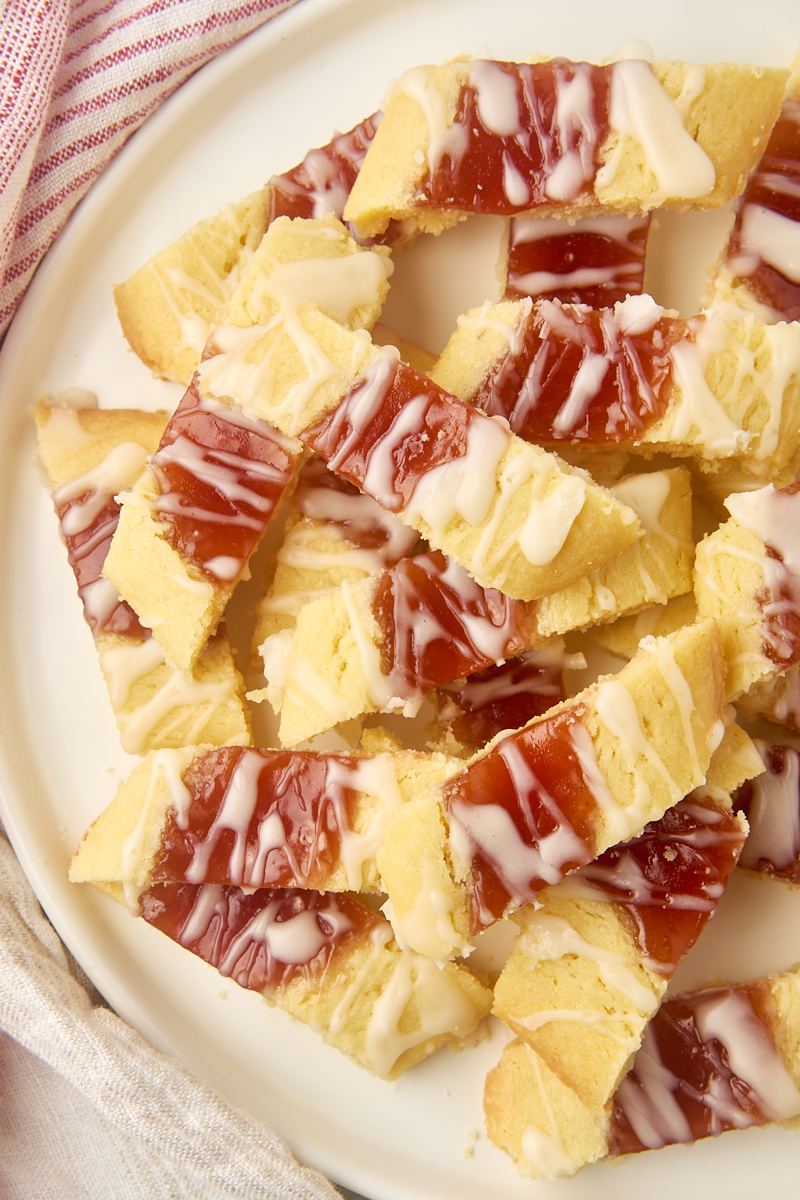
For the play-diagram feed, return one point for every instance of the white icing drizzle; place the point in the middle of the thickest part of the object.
(652, 1109)
(545, 1152)
(722, 425)
(179, 697)
(183, 291)
(614, 227)
(295, 941)
(373, 778)
(64, 425)
(728, 1017)
(771, 237)
(495, 97)
(441, 1007)
(522, 864)
(786, 707)
(232, 475)
(551, 937)
(338, 285)
(428, 925)
(774, 813)
(89, 493)
(603, 346)
(621, 823)
(444, 136)
(752, 1056)
(641, 109)
(462, 487)
(617, 709)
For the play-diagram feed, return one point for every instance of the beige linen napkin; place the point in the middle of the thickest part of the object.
(88, 1109)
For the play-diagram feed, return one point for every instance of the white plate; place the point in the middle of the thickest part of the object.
(255, 111)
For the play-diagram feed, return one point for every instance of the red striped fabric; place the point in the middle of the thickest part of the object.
(77, 78)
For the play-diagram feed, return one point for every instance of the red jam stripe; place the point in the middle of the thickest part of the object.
(583, 376)
(220, 477)
(668, 881)
(505, 696)
(390, 431)
(321, 183)
(773, 190)
(522, 816)
(543, 154)
(261, 818)
(92, 519)
(438, 624)
(771, 803)
(262, 939)
(595, 261)
(323, 496)
(708, 1064)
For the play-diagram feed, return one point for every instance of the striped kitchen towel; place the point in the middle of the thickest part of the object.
(77, 78)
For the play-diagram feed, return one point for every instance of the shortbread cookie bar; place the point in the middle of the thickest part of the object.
(254, 818)
(193, 519)
(332, 533)
(382, 644)
(508, 512)
(771, 803)
(90, 454)
(190, 522)
(328, 961)
(593, 959)
(169, 305)
(596, 261)
(562, 138)
(540, 802)
(633, 376)
(747, 577)
(711, 1061)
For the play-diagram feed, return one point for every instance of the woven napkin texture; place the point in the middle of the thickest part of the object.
(77, 78)
(89, 1109)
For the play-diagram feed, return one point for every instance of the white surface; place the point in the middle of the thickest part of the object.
(324, 64)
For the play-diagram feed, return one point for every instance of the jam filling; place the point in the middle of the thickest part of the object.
(220, 477)
(505, 696)
(322, 182)
(683, 1085)
(87, 548)
(579, 377)
(771, 803)
(668, 880)
(262, 939)
(774, 187)
(260, 818)
(322, 495)
(438, 624)
(523, 815)
(595, 262)
(390, 431)
(546, 156)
